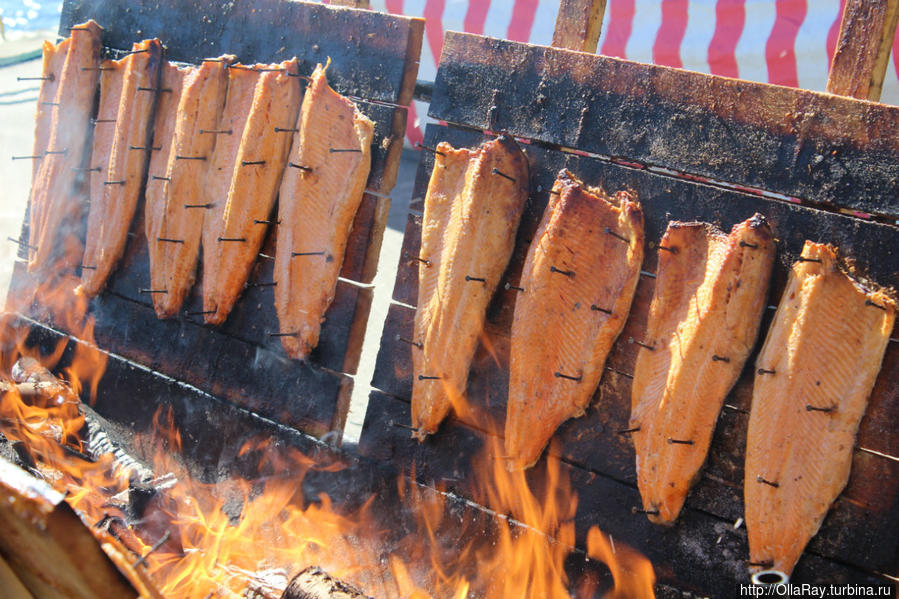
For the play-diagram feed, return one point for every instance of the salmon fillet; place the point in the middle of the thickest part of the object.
(261, 110)
(579, 279)
(57, 205)
(115, 189)
(814, 375)
(472, 210)
(51, 71)
(175, 225)
(710, 293)
(316, 210)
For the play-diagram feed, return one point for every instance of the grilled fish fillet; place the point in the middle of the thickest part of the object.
(316, 209)
(579, 279)
(56, 201)
(175, 226)
(710, 293)
(114, 203)
(815, 373)
(473, 207)
(51, 71)
(243, 184)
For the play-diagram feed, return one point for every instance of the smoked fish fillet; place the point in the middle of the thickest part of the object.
(262, 111)
(54, 55)
(114, 203)
(56, 200)
(316, 209)
(579, 280)
(175, 227)
(473, 207)
(814, 375)
(710, 292)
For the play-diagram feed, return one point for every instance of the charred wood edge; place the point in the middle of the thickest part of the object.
(474, 57)
(313, 40)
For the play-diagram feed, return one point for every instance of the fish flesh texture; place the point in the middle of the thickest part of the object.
(54, 55)
(579, 279)
(473, 207)
(261, 110)
(814, 375)
(122, 159)
(710, 292)
(175, 225)
(57, 202)
(316, 208)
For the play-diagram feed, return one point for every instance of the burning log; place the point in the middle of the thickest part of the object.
(315, 583)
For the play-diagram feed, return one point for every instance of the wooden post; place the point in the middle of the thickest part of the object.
(578, 24)
(863, 50)
(352, 3)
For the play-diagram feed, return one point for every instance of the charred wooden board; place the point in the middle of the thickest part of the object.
(702, 553)
(373, 55)
(822, 148)
(593, 442)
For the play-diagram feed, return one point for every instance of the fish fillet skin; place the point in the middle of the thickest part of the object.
(175, 229)
(113, 205)
(262, 116)
(710, 292)
(56, 200)
(473, 207)
(54, 56)
(579, 279)
(825, 348)
(316, 209)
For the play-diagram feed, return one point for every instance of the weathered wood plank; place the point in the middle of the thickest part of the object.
(701, 553)
(370, 51)
(863, 49)
(578, 24)
(825, 149)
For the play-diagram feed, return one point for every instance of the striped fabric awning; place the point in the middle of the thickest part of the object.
(788, 42)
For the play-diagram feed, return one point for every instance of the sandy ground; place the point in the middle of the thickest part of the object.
(17, 107)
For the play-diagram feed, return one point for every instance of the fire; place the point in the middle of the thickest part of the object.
(204, 540)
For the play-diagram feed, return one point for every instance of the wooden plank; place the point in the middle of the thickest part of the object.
(578, 24)
(720, 491)
(825, 149)
(702, 553)
(863, 49)
(370, 51)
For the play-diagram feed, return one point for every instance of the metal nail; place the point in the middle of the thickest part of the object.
(190, 158)
(50, 103)
(35, 157)
(628, 430)
(424, 261)
(496, 171)
(423, 377)
(673, 250)
(478, 279)
(49, 77)
(803, 259)
(201, 312)
(97, 121)
(624, 374)
(266, 222)
(644, 273)
(95, 169)
(237, 239)
(870, 303)
(153, 89)
(156, 546)
(567, 273)
(679, 441)
(251, 162)
(308, 169)
(212, 60)
(596, 308)
(86, 267)
(135, 52)
(745, 244)
(759, 479)
(217, 131)
(614, 234)
(559, 375)
(206, 206)
(271, 284)
(405, 426)
(146, 148)
(152, 290)
(811, 408)
(22, 243)
(335, 150)
(417, 344)
(766, 564)
(294, 334)
(636, 510)
(283, 130)
(429, 149)
(307, 253)
(509, 286)
(114, 182)
(641, 344)
(720, 358)
(157, 178)
(765, 371)
(169, 240)
(56, 151)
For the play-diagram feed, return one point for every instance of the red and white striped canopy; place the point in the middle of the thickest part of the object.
(788, 42)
